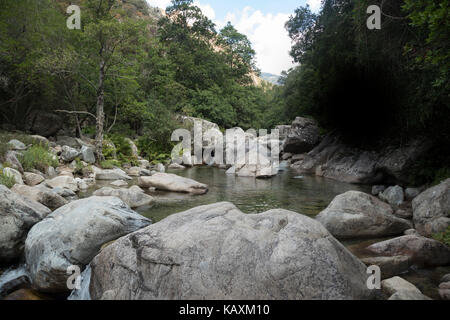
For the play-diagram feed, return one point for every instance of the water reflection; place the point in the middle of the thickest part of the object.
(306, 195)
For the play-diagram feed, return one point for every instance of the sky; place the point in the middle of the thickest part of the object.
(262, 21)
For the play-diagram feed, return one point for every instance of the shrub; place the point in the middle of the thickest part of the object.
(443, 237)
(78, 170)
(110, 164)
(7, 180)
(37, 157)
(123, 147)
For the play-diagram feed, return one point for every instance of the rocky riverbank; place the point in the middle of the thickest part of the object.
(213, 251)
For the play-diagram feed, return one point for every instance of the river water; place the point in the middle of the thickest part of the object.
(306, 195)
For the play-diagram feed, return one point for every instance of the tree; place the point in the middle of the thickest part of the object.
(238, 52)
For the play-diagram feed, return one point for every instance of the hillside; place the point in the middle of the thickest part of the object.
(269, 77)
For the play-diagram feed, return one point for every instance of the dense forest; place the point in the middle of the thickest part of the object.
(132, 69)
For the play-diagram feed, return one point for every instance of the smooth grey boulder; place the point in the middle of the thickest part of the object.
(444, 290)
(87, 154)
(356, 214)
(73, 235)
(176, 166)
(422, 252)
(335, 159)
(111, 174)
(400, 289)
(431, 209)
(69, 154)
(119, 183)
(13, 173)
(303, 135)
(41, 194)
(390, 266)
(160, 168)
(17, 145)
(134, 196)
(64, 182)
(17, 216)
(172, 182)
(33, 179)
(393, 195)
(218, 252)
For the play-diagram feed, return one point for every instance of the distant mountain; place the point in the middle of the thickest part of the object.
(269, 77)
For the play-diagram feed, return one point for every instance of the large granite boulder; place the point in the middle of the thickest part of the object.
(43, 123)
(334, 159)
(73, 235)
(111, 174)
(393, 195)
(172, 182)
(33, 179)
(302, 137)
(431, 209)
(69, 154)
(218, 252)
(17, 216)
(422, 252)
(399, 289)
(359, 215)
(41, 194)
(65, 182)
(87, 154)
(134, 196)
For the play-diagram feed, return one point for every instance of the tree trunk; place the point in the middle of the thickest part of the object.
(100, 113)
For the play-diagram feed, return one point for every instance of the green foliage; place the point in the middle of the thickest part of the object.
(78, 170)
(110, 164)
(443, 237)
(7, 180)
(37, 157)
(123, 147)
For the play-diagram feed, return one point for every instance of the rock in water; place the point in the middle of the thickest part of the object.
(218, 252)
(134, 196)
(302, 137)
(73, 235)
(64, 182)
(172, 182)
(431, 209)
(359, 215)
(421, 251)
(400, 289)
(17, 216)
(111, 174)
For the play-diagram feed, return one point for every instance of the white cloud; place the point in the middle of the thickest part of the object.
(206, 9)
(314, 4)
(268, 36)
(265, 31)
